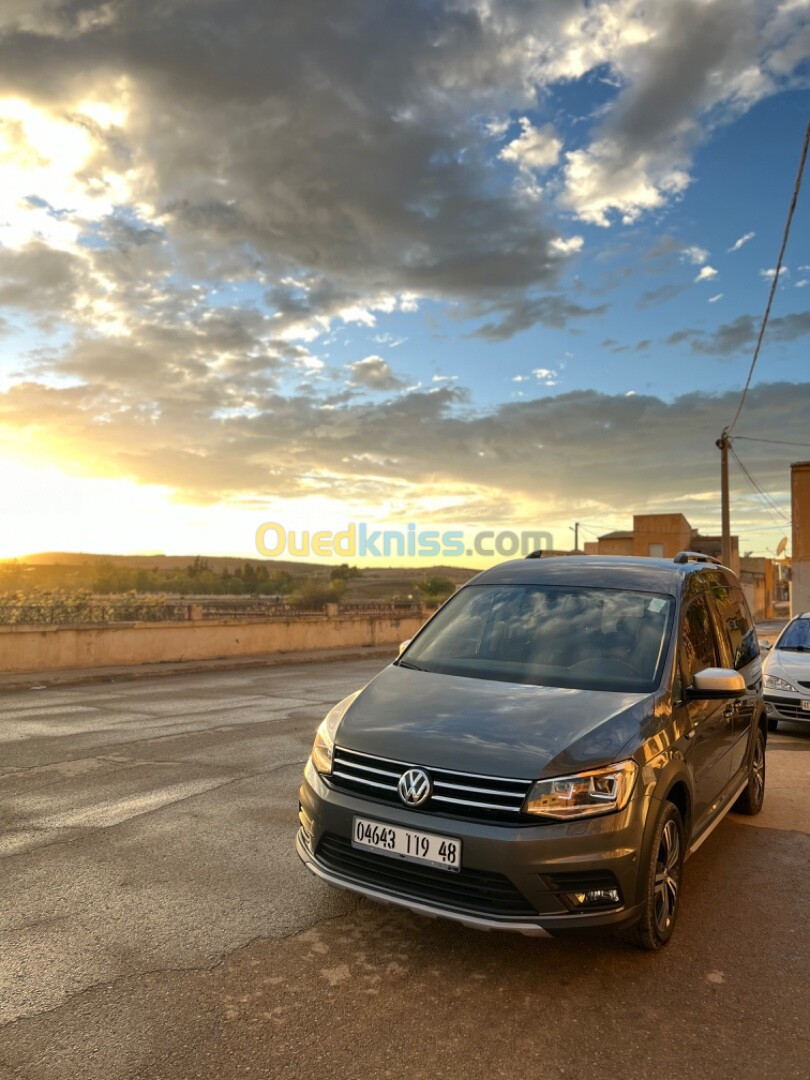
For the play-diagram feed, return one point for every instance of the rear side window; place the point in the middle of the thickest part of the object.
(737, 626)
(698, 647)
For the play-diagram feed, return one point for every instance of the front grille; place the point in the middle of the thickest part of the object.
(455, 794)
(478, 892)
(788, 707)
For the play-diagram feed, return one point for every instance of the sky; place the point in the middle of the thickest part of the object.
(477, 264)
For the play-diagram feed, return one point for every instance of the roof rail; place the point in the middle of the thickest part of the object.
(695, 556)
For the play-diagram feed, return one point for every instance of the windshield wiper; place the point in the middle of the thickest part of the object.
(794, 648)
(409, 664)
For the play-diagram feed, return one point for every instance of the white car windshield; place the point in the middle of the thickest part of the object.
(795, 637)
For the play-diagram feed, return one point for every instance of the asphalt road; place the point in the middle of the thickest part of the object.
(155, 921)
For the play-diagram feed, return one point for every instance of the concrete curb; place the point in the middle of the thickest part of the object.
(32, 680)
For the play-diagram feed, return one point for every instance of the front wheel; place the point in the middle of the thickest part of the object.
(773, 723)
(753, 794)
(664, 873)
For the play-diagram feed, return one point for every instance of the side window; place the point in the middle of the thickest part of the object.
(698, 646)
(737, 626)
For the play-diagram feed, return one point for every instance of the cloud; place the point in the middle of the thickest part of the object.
(742, 240)
(373, 373)
(281, 151)
(535, 149)
(741, 333)
(696, 255)
(684, 67)
(347, 152)
(706, 274)
(651, 297)
(289, 446)
(555, 311)
(715, 298)
(770, 274)
(566, 245)
(38, 279)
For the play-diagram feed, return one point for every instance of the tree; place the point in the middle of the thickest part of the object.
(344, 572)
(435, 587)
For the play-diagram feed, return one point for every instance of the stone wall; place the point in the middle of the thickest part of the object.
(54, 648)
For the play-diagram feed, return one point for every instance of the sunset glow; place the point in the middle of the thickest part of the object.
(493, 281)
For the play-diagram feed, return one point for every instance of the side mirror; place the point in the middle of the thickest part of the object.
(403, 645)
(716, 682)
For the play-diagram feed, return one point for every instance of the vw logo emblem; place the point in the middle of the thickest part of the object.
(414, 787)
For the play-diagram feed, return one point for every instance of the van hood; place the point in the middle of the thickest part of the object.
(493, 728)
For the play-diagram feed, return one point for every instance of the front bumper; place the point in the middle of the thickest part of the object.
(531, 860)
(787, 706)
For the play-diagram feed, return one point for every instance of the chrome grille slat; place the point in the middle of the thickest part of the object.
(488, 798)
(364, 780)
(478, 790)
(370, 768)
(471, 802)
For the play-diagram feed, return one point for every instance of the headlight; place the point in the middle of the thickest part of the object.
(598, 791)
(772, 683)
(325, 735)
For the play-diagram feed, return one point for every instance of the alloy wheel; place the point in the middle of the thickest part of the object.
(758, 770)
(667, 877)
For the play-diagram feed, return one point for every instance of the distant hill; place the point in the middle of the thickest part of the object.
(371, 583)
(166, 562)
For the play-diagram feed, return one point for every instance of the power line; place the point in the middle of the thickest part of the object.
(770, 503)
(776, 442)
(774, 283)
(762, 528)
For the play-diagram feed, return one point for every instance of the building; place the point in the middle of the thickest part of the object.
(661, 536)
(800, 514)
(758, 581)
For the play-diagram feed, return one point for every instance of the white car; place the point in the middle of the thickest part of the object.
(786, 674)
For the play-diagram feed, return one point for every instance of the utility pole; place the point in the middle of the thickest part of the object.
(723, 444)
(576, 536)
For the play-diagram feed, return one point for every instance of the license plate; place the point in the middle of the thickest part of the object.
(409, 844)
(806, 706)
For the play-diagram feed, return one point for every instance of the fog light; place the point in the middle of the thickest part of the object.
(593, 898)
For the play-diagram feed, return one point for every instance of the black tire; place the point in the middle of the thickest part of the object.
(753, 794)
(773, 723)
(663, 880)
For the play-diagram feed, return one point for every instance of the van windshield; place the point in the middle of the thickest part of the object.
(546, 635)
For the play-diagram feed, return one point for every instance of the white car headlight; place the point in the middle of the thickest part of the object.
(325, 736)
(772, 683)
(597, 791)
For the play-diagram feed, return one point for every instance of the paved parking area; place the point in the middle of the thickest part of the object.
(155, 922)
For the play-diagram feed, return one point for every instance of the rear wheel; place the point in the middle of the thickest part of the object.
(753, 794)
(664, 873)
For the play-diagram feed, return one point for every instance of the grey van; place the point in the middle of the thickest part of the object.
(548, 750)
